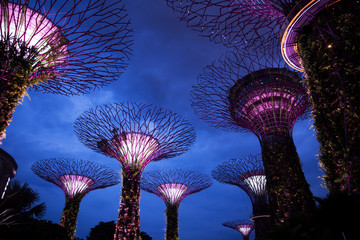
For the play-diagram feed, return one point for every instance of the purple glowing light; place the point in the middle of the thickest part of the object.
(245, 229)
(289, 39)
(136, 149)
(257, 184)
(75, 184)
(22, 23)
(172, 192)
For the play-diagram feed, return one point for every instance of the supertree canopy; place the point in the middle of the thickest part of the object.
(322, 39)
(240, 23)
(244, 227)
(76, 178)
(134, 134)
(259, 94)
(172, 186)
(248, 174)
(65, 47)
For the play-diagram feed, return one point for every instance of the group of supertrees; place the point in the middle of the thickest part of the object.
(73, 47)
(253, 88)
(70, 48)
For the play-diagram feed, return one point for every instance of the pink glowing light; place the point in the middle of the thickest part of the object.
(271, 101)
(172, 192)
(245, 230)
(136, 149)
(22, 23)
(74, 184)
(257, 184)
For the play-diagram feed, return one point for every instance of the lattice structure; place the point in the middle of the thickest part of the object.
(259, 94)
(244, 227)
(172, 186)
(241, 23)
(76, 178)
(64, 47)
(322, 40)
(134, 134)
(248, 174)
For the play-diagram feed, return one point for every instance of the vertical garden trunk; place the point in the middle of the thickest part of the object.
(262, 225)
(128, 223)
(330, 53)
(289, 193)
(70, 213)
(172, 222)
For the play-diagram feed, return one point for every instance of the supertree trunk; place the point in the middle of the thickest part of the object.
(329, 49)
(70, 213)
(286, 182)
(128, 223)
(172, 222)
(262, 225)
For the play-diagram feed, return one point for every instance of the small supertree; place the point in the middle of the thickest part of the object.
(8, 169)
(76, 178)
(241, 23)
(172, 186)
(134, 134)
(244, 227)
(67, 47)
(322, 39)
(260, 95)
(248, 174)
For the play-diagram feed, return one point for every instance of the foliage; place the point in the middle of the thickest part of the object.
(331, 58)
(20, 205)
(288, 191)
(106, 230)
(172, 222)
(335, 218)
(35, 230)
(70, 214)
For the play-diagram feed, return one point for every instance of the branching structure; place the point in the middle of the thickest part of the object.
(262, 96)
(76, 178)
(134, 134)
(241, 23)
(322, 39)
(244, 227)
(172, 186)
(8, 169)
(248, 174)
(64, 47)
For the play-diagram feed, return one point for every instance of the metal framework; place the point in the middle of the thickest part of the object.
(76, 178)
(244, 227)
(248, 174)
(260, 94)
(134, 134)
(64, 47)
(241, 23)
(172, 186)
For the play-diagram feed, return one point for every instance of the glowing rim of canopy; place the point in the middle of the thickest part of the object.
(33, 28)
(257, 183)
(289, 38)
(75, 184)
(137, 149)
(172, 192)
(245, 229)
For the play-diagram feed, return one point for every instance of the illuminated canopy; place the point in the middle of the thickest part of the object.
(172, 192)
(19, 22)
(75, 184)
(257, 184)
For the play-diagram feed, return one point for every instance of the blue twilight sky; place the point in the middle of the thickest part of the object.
(167, 57)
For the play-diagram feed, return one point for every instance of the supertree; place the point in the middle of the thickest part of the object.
(244, 227)
(76, 178)
(322, 39)
(240, 23)
(259, 94)
(135, 134)
(172, 186)
(68, 47)
(248, 174)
